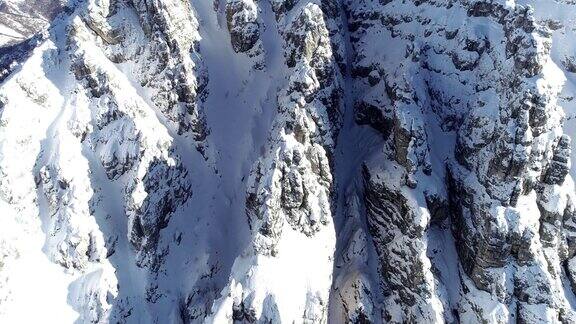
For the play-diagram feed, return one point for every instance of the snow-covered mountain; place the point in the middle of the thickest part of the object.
(287, 161)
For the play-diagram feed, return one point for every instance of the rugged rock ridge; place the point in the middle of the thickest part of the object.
(498, 96)
(290, 186)
(399, 161)
(245, 27)
(296, 168)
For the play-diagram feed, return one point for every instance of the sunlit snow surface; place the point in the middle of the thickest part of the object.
(212, 223)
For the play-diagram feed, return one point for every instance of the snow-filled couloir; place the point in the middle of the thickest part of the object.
(287, 161)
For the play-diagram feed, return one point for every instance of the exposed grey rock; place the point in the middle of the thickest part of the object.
(395, 161)
(245, 29)
(397, 229)
(302, 174)
(560, 164)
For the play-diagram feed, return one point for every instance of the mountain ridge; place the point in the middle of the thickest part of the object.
(277, 161)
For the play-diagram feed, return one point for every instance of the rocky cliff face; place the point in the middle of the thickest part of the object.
(271, 161)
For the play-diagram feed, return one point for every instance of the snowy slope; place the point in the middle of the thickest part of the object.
(21, 19)
(287, 161)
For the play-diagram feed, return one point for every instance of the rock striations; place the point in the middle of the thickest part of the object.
(287, 161)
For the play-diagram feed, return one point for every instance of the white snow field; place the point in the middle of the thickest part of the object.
(287, 161)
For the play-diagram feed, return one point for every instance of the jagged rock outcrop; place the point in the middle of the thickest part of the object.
(292, 181)
(290, 187)
(271, 161)
(506, 128)
(130, 143)
(245, 27)
(397, 227)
